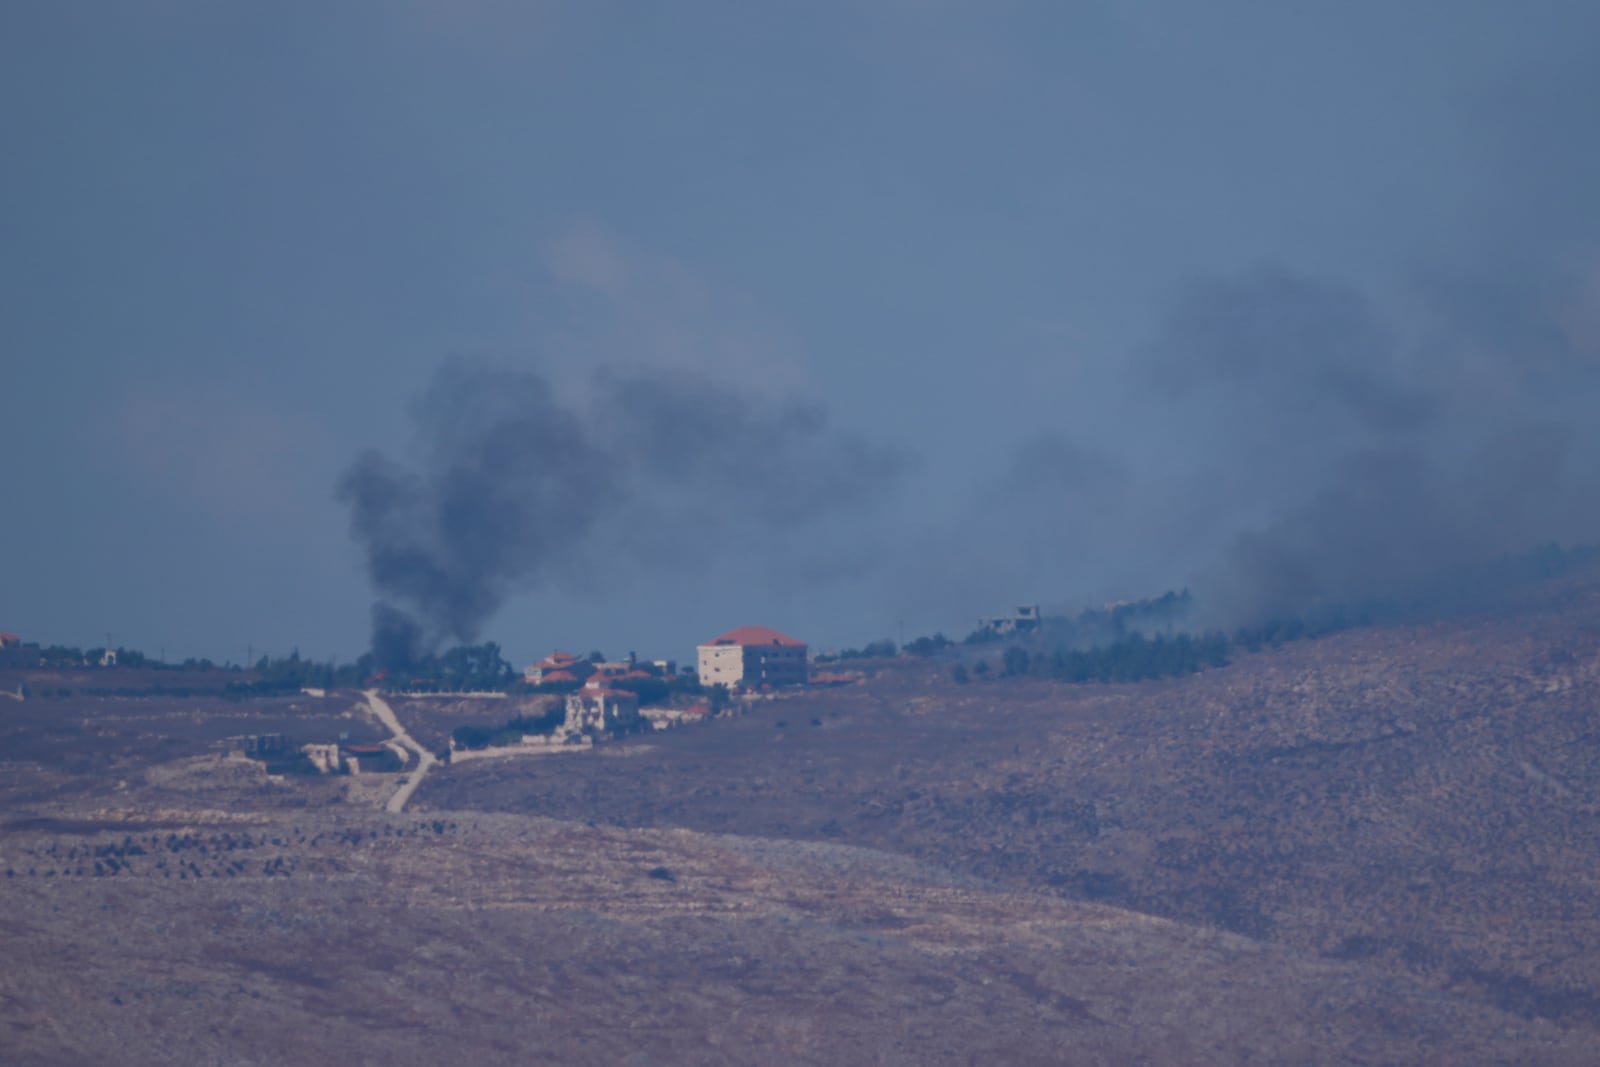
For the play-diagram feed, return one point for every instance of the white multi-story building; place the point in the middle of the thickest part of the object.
(752, 656)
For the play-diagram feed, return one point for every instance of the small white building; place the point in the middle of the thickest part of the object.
(1025, 620)
(601, 711)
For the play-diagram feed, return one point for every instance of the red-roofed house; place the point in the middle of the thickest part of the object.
(9, 640)
(554, 662)
(753, 656)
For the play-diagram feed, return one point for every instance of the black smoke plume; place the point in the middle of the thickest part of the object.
(513, 486)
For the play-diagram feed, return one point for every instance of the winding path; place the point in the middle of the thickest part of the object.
(425, 759)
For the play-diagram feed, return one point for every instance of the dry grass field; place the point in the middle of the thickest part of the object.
(1376, 847)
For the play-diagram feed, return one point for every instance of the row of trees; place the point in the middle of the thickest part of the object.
(1137, 657)
(874, 650)
(511, 732)
(463, 668)
(921, 646)
(69, 657)
(1132, 659)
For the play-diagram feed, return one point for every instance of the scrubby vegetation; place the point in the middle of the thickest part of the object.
(1132, 659)
(1151, 638)
(509, 733)
(873, 650)
(927, 646)
(464, 668)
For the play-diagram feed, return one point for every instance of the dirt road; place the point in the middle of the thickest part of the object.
(425, 759)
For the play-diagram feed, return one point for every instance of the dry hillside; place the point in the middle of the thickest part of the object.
(1377, 847)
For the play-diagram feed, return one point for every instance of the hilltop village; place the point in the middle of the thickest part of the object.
(564, 703)
(605, 698)
(478, 705)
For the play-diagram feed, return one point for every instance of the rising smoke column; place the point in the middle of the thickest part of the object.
(510, 485)
(504, 482)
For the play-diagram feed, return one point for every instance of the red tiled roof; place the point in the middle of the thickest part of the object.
(756, 635)
(10, 639)
(559, 659)
(557, 676)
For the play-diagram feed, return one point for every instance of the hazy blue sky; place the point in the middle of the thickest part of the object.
(1124, 295)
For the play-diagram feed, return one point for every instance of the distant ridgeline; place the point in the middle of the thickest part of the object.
(464, 668)
(1123, 642)
(1144, 639)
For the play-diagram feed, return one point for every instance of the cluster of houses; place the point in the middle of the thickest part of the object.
(601, 704)
(604, 701)
(602, 698)
(749, 657)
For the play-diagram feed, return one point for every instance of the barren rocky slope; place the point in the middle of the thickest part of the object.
(519, 940)
(1372, 848)
(1421, 798)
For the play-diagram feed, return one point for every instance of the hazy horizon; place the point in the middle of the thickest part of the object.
(612, 328)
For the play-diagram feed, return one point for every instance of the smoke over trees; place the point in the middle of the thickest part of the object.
(1284, 444)
(1283, 440)
(1341, 463)
(512, 486)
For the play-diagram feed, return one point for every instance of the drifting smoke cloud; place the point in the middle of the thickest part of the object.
(514, 486)
(1351, 465)
(1304, 454)
(1286, 441)
(1283, 440)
